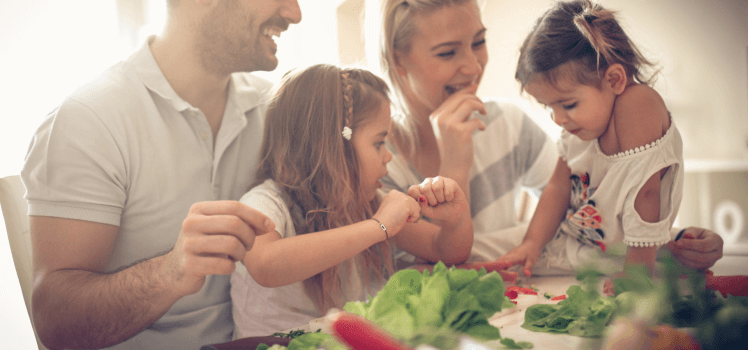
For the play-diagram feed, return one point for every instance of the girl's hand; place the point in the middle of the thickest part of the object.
(396, 209)
(441, 198)
(453, 130)
(609, 287)
(526, 254)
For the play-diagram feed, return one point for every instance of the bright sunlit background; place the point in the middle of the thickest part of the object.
(48, 48)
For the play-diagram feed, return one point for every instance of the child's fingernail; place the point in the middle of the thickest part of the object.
(422, 199)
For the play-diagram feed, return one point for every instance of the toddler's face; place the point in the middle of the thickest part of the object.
(582, 110)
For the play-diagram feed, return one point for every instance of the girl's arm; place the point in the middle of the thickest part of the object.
(275, 261)
(551, 210)
(450, 241)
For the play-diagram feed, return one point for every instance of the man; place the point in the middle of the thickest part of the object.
(132, 184)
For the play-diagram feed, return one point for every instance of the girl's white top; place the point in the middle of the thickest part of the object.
(260, 311)
(604, 187)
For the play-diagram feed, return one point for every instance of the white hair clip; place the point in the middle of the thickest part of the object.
(347, 133)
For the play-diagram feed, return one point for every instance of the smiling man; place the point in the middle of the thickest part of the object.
(133, 180)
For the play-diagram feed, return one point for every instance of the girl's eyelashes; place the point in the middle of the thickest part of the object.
(379, 144)
(479, 43)
(570, 106)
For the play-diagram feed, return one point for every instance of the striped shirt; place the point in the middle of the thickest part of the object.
(512, 153)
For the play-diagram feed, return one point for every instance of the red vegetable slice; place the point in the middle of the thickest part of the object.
(361, 334)
(511, 294)
(529, 291)
(560, 297)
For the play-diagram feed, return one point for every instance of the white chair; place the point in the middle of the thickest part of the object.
(15, 211)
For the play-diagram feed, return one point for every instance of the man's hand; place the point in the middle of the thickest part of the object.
(214, 236)
(698, 248)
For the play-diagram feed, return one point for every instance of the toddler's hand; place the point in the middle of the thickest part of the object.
(396, 209)
(440, 198)
(526, 254)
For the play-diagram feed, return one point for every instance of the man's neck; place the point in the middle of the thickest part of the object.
(180, 63)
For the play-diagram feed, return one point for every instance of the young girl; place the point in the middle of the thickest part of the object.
(322, 157)
(620, 171)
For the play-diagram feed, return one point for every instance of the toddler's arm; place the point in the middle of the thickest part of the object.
(548, 215)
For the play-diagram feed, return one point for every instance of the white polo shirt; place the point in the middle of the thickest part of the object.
(125, 150)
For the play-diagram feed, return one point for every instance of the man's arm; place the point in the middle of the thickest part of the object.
(76, 305)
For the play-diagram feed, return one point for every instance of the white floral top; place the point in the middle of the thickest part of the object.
(601, 209)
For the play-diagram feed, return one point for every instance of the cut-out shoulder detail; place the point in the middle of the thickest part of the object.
(640, 149)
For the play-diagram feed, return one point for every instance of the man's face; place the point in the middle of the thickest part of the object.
(237, 35)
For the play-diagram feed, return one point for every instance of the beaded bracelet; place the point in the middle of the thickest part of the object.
(383, 228)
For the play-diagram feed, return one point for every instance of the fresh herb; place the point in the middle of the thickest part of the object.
(293, 334)
(548, 295)
(307, 341)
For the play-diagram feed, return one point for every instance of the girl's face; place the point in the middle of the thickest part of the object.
(582, 110)
(448, 53)
(373, 156)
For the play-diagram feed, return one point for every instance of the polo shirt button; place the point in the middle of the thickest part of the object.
(203, 135)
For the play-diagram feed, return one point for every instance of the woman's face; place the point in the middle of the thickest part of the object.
(448, 53)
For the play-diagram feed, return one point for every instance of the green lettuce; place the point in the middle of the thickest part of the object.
(448, 299)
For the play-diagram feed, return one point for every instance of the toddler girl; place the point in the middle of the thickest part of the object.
(620, 171)
(322, 157)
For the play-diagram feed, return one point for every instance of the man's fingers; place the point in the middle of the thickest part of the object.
(205, 265)
(224, 225)
(225, 246)
(261, 223)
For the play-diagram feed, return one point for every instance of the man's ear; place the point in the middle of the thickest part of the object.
(615, 78)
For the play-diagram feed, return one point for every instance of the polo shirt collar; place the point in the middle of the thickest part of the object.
(242, 93)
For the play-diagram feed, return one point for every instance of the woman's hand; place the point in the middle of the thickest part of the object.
(526, 254)
(698, 248)
(453, 130)
(441, 198)
(396, 209)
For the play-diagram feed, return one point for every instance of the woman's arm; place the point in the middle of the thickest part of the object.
(442, 200)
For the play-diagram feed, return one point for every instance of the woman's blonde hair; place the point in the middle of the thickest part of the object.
(398, 30)
(305, 153)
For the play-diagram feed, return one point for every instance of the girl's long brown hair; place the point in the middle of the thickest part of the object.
(304, 152)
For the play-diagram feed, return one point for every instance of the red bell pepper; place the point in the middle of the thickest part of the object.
(361, 334)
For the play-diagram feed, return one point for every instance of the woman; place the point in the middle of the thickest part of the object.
(434, 55)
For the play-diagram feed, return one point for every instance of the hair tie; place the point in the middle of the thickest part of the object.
(347, 132)
(347, 105)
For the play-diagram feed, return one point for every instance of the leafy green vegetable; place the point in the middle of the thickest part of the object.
(293, 333)
(445, 300)
(308, 341)
(511, 344)
(584, 313)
